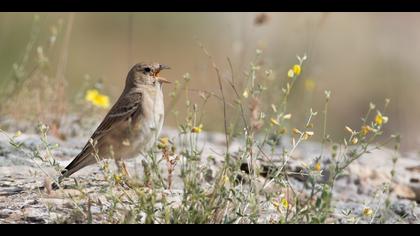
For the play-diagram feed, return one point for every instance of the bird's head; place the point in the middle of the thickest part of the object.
(147, 74)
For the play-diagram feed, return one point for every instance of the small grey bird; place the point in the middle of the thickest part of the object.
(132, 125)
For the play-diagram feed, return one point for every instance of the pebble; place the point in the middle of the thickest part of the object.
(7, 191)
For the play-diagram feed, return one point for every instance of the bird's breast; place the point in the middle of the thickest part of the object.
(149, 125)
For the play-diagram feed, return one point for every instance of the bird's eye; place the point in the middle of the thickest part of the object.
(147, 69)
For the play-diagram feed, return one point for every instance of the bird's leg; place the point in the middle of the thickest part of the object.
(129, 181)
(122, 168)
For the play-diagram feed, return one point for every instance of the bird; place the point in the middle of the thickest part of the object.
(132, 125)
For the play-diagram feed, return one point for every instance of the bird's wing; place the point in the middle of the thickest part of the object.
(127, 105)
(123, 109)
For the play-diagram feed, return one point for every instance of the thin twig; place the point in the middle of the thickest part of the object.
(219, 80)
(232, 84)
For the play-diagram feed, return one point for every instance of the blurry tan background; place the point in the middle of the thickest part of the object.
(360, 57)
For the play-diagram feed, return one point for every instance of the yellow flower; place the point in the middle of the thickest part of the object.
(117, 178)
(274, 121)
(225, 180)
(284, 203)
(290, 73)
(163, 142)
(365, 130)
(101, 101)
(354, 140)
(196, 129)
(297, 69)
(245, 93)
(317, 166)
(367, 211)
(380, 119)
(17, 134)
(93, 96)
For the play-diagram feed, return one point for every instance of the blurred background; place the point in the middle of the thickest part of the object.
(360, 57)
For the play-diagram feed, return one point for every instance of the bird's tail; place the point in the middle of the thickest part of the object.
(85, 158)
(82, 160)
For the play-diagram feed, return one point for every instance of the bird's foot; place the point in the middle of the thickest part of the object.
(122, 169)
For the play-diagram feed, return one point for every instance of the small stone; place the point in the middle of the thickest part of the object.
(57, 202)
(8, 191)
(400, 209)
(30, 202)
(208, 176)
(404, 192)
(34, 215)
(5, 213)
(407, 210)
(415, 187)
(414, 168)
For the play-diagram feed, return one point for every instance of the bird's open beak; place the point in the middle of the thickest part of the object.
(163, 67)
(161, 79)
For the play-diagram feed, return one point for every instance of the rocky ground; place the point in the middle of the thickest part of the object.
(24, 200)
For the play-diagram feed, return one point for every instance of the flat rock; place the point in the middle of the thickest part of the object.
(405, 192)
(7, 191)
